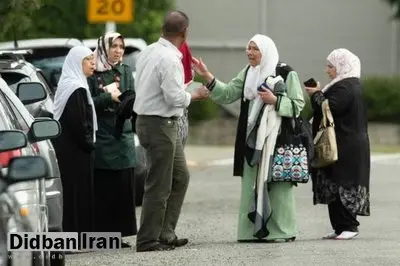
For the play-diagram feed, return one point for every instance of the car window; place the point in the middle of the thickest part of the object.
(2, 123)
(130, 59)
(9, 113)
(13, 79)
(3, 115)
(51, 68)
(18, 120)
(46, 52)
(45, 83)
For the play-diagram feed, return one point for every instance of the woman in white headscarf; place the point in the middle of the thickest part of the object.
(74, 109)
(112, 86)
(344, 186)
(267, 210)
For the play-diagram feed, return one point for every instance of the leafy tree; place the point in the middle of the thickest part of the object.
(15, 16)
(395, 4)
(68, 19)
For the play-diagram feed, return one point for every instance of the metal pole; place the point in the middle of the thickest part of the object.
(15, 36)
(395, 36)
(263, 16)
(110, 26)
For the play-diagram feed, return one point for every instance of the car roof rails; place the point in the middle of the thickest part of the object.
(13, 59)
(14, 54)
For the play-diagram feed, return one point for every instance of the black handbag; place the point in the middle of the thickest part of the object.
(293, 150)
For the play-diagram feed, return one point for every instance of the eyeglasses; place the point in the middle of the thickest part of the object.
(88, 58)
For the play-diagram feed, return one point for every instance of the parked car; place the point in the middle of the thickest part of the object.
(14, 115)
(140, 172)
(11, 219)
(47, 54)
(34, 82)
(15, 217)
(47, 63)
(14, 69)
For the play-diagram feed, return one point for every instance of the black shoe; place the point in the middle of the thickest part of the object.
(155, 247)
(177, 242)
(125, 245)
(283, 240)
(252, 240)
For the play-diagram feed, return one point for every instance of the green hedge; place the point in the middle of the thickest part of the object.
(382, 96)
(202, 110)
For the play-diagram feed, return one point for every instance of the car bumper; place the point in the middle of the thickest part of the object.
(54, 202)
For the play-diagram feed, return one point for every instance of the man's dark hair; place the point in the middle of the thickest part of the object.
(175, 23)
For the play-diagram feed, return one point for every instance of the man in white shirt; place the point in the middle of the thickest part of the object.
(160, 101)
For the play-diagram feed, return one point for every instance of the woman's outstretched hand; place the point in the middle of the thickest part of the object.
(201, 69)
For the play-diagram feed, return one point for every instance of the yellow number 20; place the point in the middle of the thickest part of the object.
(115, 7)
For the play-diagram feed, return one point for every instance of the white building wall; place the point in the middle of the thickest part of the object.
(305, 32)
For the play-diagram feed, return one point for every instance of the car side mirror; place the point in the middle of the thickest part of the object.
(31, 92)
(12, 140)
(44, 129)
(26, 168)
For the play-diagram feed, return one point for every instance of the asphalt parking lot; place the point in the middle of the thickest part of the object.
(209, 221)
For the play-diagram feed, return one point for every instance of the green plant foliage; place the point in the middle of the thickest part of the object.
(382, 96)
(68, 19)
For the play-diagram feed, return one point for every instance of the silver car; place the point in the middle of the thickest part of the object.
(44, 193)
(15, 217)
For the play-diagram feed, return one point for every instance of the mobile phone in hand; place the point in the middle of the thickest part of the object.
(263, 86)
(311, 83)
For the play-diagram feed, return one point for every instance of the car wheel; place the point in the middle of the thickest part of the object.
(139, 189)
(140, 173)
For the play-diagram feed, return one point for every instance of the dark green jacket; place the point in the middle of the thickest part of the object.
(111, 153)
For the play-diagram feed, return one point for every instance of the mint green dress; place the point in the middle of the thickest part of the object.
(282, 224)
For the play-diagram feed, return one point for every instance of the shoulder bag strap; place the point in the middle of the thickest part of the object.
(327, 117)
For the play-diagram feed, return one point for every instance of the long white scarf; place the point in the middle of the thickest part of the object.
(73, 78)
(257, 75)
(260, 210)
(269, 59)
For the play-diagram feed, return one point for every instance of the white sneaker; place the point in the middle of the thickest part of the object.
(330, 236)
(346, 235)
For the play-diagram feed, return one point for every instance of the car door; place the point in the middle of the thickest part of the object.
(13, 79)
(7, 122)
(29, 193)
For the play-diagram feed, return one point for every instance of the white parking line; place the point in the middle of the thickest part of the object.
(384, 157)
(374, 158)
(221, 162)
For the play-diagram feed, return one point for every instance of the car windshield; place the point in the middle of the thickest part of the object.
(13, 79)
(2, 123)
(51, 67)
(130, 59)
(49, 59)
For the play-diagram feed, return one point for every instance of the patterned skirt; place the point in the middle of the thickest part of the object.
(355, 197)
(183, 127)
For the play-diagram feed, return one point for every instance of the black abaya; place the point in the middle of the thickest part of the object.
(115, 201)
(75, 155)
(347, 180)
